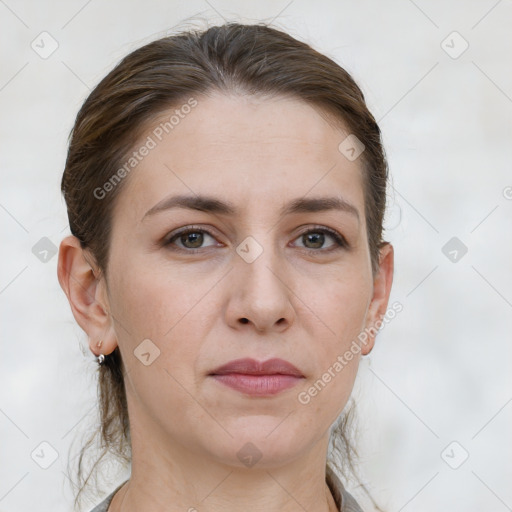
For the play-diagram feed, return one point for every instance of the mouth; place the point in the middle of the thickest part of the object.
(254, 378)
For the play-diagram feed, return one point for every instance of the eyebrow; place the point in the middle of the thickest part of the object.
(213, 205)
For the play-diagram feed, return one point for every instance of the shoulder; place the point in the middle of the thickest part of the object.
(344, 500)
(103, 506)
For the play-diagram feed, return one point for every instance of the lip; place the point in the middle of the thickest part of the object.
(256, 378)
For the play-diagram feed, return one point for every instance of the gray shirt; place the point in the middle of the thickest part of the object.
(344, 500)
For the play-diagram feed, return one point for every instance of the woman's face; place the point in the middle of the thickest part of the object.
(259, 275)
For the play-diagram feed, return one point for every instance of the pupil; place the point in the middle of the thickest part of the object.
(195, 238)
(316, 238)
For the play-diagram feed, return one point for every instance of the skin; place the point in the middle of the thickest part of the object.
(303, 302)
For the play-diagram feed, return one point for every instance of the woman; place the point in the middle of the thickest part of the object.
(225, 193)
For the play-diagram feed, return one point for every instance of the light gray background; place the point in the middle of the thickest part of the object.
(440, 371)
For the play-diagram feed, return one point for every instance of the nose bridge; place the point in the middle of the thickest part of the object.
(261, 294)
(259, 261)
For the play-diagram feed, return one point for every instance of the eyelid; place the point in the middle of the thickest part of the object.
(185, 230)
(339, 240)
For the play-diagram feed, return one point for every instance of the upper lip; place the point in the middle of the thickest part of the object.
(249, 366)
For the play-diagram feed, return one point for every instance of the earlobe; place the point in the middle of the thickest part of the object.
(83, 287)
(381, 291)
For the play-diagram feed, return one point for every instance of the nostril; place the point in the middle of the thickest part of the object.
(244, 320)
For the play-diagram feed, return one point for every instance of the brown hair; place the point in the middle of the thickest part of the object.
(246, 59)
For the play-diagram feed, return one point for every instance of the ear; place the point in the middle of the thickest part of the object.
(379, 302)
(85, 288)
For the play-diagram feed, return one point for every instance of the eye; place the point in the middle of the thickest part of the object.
(316, 239)
(190, 238)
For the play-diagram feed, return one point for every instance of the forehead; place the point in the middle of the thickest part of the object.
(255, 149)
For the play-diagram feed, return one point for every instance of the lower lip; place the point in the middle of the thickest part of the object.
(258, 385)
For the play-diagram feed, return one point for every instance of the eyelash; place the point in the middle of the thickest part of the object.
(340, 240)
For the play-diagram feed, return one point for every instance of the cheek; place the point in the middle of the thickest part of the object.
(157, 314)
(152, 301)
(328, 389)
(343, 304)
(159, 331)
(343, 309)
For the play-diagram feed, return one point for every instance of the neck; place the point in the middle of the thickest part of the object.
(168, 477)
(132, 497)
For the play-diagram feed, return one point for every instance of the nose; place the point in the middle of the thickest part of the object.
(260, 296)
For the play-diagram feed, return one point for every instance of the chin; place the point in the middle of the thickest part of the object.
(260, 445)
